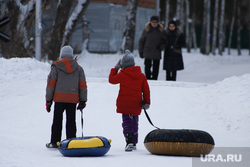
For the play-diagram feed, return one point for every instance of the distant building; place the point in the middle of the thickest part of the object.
(106, 22)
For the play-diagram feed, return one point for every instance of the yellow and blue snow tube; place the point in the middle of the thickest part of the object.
(182, 142)
(84, 146)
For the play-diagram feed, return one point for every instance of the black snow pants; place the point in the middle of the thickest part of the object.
(56, 129)
(171, 75)
(154, 73)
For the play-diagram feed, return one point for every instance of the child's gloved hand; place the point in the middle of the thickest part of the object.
(48, 105)
(81, 105)
(118, 65)
(145, 106)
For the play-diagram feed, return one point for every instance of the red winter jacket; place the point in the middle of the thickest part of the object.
(133, 86)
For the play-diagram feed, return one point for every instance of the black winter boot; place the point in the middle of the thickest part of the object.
(129, 139)
(51, 145)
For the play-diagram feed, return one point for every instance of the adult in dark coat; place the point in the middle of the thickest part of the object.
(150, 45)
(173, 60)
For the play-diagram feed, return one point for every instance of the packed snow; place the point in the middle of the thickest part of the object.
(212, 94)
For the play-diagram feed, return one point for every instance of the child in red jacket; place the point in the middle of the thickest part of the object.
(133, 90)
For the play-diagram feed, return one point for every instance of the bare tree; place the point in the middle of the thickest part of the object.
(64, 24)
(231, 27)
(21, 43)
(188, 43)
(85, 34)
(246, 19)
(62, 15)
(22, 23)
(249, 39)
(215, 25)
(193, 34)
(239, 27)
(178, 8)
(205, 41)
(180, 13)
(208, 36)
(203, 33)
(167, 14)
(129, 32)
(248, 16)
(76, 15)
(221, 27)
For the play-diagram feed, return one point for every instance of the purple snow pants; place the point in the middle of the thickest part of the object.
(130, 124)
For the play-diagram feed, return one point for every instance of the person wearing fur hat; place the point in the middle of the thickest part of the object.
(133, 90)
(151, 43)
(173, 60)
(66, 86)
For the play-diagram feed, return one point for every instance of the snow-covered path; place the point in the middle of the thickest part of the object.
(218, 107)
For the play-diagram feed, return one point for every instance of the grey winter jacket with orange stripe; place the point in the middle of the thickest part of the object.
(66, 82)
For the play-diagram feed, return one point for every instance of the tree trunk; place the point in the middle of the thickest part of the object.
(204, 29)
(215, 26)
(208, 36)
(129, 33)
(75, 17)
(182, 15)
(188, 41)
(221, 27)
(239, 27)
(178, 8)
(167, 14)
(85, 34)
(179, 13)
(21, 43)
(57, 35)
(193, 33)
(22, 14)
(231, 27)
(249, 42)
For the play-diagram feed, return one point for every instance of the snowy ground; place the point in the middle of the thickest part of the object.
(211, 94)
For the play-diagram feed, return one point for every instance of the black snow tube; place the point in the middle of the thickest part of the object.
(179, 142)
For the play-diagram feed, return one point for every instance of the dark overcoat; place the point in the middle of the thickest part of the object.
(173, 60)
(152, 41)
